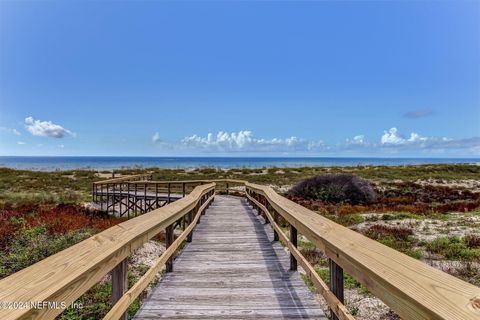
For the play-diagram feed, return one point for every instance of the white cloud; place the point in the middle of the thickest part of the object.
(46, 128)
(243, 140)
(156, 138)
(392, 137)
(391, 141)
(21, 142)
(357, 140)
(61, 146)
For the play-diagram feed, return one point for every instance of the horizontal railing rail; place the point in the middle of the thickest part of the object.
(134, 177)
(63, 277)
(413, 289)
(131, 197)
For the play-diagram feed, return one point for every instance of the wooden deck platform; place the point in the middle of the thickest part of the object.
(231, 270)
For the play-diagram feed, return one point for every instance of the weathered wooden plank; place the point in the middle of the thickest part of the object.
(232, 269)
(233, 314)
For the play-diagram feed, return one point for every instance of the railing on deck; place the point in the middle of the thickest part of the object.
(130, 197)
(65, 276)
(411, 288)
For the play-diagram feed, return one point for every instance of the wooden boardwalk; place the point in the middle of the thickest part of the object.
(231, 270)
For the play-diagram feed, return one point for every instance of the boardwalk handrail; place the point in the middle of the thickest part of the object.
(134, 177)
(413, 289)
(65, 276)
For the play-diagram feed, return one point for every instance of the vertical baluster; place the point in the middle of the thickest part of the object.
(190, 219)
(121, 198)
(120, 283)
(128, 200)
(336, 283)
(135, 199)
(275, 218)
(168, 242)
(145, 198)
(293, 240)
(168, 192)
(108, 196)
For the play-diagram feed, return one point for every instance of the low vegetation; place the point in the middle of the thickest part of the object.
(336, 188)
(430, 212)
(455, 248)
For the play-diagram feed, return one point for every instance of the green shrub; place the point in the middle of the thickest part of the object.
(336, 188)
(348, 280)
(34, 244)
(453, 248)
(97, 301)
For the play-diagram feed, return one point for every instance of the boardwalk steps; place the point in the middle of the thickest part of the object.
(232, 270)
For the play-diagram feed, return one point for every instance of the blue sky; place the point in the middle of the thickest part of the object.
(240, 78)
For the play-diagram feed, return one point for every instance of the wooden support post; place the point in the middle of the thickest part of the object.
(135, 199)
(226, 188)
(113, 199)
(202, 201)
(128, 200)
(120, 198)
(266, 204)
(156, 195)
(168, 242)
(108, 196)
(190, 219)
(120, 283)
(168, 192)
(196, 211)
(336, 283)
(145, 198)
(183, 189)
(275, 233)
(293, 240)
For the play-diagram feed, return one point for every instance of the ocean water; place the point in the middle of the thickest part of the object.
(109, 163)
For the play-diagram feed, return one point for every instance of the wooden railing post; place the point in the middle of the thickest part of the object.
(183, 189)
(135, 199)
(265, 204)
(197, 207)
(226, 187)
(168, 242)
(108, 195)
(190, 219)
(145, 198)
(168, 193)
(202, 201)
(120, 283)
(120, 199)
(336, 283)
(128, 200)
(293, 240)
(275, 219)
